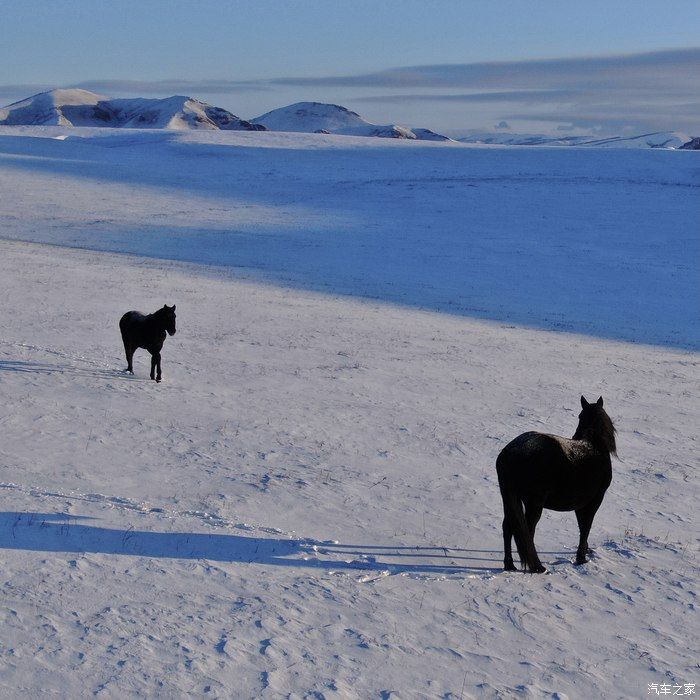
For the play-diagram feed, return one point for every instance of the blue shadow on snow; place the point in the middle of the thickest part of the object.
(577, 240)
(61, 532)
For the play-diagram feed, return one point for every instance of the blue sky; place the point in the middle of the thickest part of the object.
(441, 64)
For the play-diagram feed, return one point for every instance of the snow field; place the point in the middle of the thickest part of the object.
(307, 505)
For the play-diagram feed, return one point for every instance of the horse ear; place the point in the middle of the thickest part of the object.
(584, 403)
(173, 307)
(599, 402)
(165, 306)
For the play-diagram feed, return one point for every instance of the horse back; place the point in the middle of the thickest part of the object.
(541, 463)
(529, 450)
(131, 320)
(135, 330)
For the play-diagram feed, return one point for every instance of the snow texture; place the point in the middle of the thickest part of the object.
(307, 506)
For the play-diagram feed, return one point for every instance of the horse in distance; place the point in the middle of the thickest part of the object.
(147, 331)
(537, 471)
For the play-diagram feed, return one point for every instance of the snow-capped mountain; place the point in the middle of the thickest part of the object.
(72, 107)
(310, 117)
(659, 139)
(75, 107)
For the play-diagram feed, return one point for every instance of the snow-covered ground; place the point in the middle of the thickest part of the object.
(591, 241)
(307, 506)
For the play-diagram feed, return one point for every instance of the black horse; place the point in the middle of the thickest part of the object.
(147, 332)
(547, 471)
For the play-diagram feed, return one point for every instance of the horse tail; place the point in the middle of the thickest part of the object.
(513, 508)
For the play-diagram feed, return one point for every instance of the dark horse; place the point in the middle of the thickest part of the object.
(547, 471)
(147, 332)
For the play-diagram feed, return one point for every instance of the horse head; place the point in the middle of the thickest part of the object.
(168, 315)
(594, 424)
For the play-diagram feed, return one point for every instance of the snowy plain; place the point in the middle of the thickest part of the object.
(307, 506)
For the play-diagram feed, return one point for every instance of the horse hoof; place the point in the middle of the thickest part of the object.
(540, 570)
(580, 562)
(158, 380)
(509, 567)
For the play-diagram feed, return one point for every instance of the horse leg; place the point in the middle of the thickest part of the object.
(585, 516)
(153, 365)
(508, 564)
(157, 360)
(533, 513)
(517, 524)
(129, 349)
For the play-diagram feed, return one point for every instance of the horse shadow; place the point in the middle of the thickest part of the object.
(25, 367)
(64, 533)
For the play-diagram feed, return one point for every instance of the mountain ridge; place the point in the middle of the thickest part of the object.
(77, 107)
(82, 108)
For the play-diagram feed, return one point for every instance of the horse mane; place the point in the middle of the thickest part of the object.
(161, 313)
(599, 430)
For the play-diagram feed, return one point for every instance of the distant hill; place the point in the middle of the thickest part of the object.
(75, 107)
(318, 117)
(659, 139)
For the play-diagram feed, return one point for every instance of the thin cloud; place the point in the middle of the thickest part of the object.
(645, 91)
(140, 88)
(651, 91)
(526, 96)
(172, 87)
(679, 65)
(22, 90)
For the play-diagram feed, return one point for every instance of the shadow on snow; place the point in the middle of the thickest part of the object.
(27, 367)
(580, 240)
(61, 532)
